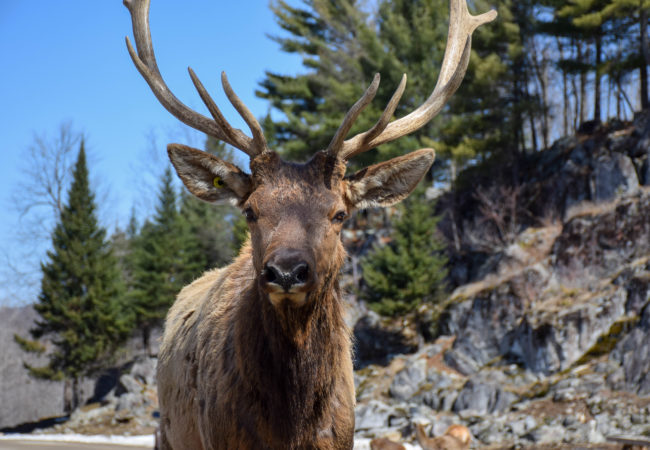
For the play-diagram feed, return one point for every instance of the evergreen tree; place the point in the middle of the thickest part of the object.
(331, 36)
(343, 52)
(413, 34)
(165, 258)
(410, 270)
(210, 229)
(81, 303)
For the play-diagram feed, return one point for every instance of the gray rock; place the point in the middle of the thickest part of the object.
(129, 384)
(409, 380)
(522, 426)
(144, 370)
(481, 324)
(614, 175)
(372, 415)
(23, 398)
(481, 398)
(553, 346)
(638, 293)
(376, 341)
(128, 401)
(633, 352)
(644, 171)
(547, 434)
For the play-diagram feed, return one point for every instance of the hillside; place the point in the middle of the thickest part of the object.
(548, 341)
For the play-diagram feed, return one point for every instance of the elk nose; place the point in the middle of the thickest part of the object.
(286, 273)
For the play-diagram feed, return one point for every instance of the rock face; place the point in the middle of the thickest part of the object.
(26, 399)
(550, 344)
(633, 353)
(17, 388)
(130, 407)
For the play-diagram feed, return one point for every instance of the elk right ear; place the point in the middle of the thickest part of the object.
(208, 177)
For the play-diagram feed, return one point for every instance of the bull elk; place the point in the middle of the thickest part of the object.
(256, 354)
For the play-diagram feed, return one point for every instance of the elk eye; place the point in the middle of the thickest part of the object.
(339, 217)
(250, 215)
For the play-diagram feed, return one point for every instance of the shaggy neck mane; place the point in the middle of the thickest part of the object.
(288, 357)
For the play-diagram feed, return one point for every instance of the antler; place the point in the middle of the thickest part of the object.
(459, 42)
(145, 61)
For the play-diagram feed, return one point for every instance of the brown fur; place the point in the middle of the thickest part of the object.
(235, 371)
(457, 437)
(385, 444)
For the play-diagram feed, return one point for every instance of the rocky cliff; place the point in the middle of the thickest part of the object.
(550, 341)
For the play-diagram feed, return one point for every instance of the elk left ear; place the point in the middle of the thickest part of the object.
(208, 177)
(389, 182)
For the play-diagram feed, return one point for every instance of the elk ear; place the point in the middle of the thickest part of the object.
(389, 182)
(208, 177)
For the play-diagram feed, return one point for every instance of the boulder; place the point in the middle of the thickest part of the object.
(480, 398)
(633, 353)
(613, 175)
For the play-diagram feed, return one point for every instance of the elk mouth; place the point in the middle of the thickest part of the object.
(296, 300)
(287, 277)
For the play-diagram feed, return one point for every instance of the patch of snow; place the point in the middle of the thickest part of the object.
(364, 444)
(142, 440)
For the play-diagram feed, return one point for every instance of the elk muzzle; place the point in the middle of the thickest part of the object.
(288, 276)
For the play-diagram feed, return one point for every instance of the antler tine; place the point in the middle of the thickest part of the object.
(232, 134)
(351, 116)
(383, 120)
(145, 61)
(459, 42)
(259, 141)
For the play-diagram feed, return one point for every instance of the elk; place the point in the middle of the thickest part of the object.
(457, 437)
(256, 354)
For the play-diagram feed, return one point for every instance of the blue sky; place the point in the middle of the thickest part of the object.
(66, 61)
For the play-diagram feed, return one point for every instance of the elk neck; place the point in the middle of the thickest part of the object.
(288, 357)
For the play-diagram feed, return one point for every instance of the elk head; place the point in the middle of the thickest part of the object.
(295, 211)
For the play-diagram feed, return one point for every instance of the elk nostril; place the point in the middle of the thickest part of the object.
(301, 273)
(270, 275)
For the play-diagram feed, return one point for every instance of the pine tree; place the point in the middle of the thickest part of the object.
(81, 303)
(414, 34)
(330, 36)
(210, 231)
(410, 270)
(343, 52)
(165, 258)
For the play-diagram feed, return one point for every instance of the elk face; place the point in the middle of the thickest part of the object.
(295, 212)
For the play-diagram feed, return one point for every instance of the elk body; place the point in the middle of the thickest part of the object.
(257, 355)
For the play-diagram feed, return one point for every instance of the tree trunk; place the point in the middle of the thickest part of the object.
(583, 87)
(146, 340)
(71, 394)
(533, 131)
(576, 103)
(67, 396)
(541, 76)
(565, 92)
(645, 51)
(599, 42)
(76, 393)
